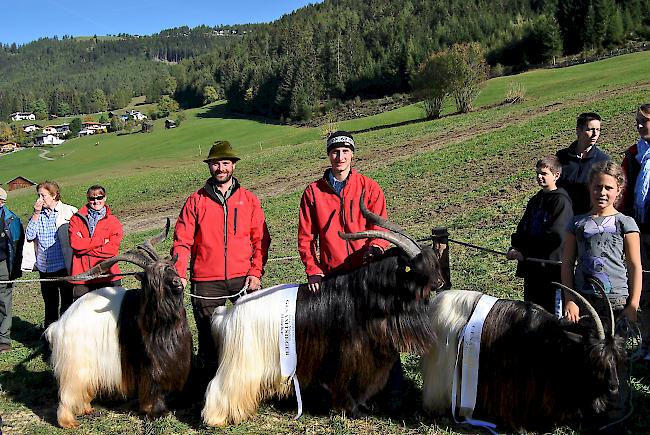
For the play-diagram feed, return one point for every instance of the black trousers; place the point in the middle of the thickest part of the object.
(203, 309)
(53, 293)
(81, 289)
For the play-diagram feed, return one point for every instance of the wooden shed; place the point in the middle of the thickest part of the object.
(19, 183)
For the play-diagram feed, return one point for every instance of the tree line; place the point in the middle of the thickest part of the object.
(311, 60)
(83, 75)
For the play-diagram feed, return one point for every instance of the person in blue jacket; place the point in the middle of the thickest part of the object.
(11, 245)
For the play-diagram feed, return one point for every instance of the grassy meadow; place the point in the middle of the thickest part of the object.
(470, 173)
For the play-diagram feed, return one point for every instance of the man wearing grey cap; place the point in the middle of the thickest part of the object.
(330, 205)
(11, 244)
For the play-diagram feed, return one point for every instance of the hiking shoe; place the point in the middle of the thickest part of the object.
(5, 347)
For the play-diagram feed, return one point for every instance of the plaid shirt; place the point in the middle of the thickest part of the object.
(49, 255)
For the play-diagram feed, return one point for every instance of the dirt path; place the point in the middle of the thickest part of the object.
(141, 220)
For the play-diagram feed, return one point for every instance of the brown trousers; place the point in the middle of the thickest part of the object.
(203, 309)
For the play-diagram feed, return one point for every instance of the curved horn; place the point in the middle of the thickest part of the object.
(598, 286)
(148, 245)
(404, 243)
(135, 256)
(590, 309)
(380, 221)
(104, 266)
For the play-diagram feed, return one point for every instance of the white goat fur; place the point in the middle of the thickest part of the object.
(451, 310)
(247, 335)
(85, 351)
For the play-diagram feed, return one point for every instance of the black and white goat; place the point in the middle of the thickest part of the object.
(348, 335)
(535, 371)
(116, 341)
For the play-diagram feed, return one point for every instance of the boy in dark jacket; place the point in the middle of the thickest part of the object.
(540, 235)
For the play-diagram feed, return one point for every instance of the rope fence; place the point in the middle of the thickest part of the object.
(296, 257)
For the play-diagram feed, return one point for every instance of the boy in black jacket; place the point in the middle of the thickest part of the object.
(540, 235)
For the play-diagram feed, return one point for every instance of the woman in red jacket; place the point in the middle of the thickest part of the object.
(95, 235)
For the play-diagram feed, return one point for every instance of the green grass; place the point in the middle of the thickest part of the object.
(471, 173)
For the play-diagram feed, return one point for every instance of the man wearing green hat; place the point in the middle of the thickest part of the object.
(221, 229)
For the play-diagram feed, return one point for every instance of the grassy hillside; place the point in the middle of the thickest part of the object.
(470, 173)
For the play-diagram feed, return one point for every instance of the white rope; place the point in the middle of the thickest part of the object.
(65, 278)
(214, 298)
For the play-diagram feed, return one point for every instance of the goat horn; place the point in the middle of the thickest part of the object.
(103, 267)
(404, 243)
(590, 309)
(135, 256)
(375, 219)
(598, 286)
(148, 245)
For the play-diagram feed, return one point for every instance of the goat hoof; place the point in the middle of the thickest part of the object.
(69, 424)
(218, 422)
(66, 419)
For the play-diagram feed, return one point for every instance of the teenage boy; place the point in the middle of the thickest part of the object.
(540, 235)
(577, 160)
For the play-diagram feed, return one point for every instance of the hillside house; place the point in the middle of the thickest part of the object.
(62, 129)
(170, 123)
(95, 127)
(19, 183)
(7, 147)
(48, 139)
(22, 116)
(30, 128)
(86, 132)
(50, 129)
(138, 116)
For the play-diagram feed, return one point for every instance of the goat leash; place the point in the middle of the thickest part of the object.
(65, 278)
(214, 298)
(492, 251)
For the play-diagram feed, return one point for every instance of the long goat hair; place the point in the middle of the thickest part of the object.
(348, 335)
(535, 371)
(115, 341)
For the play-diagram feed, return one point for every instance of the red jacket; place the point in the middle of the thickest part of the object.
(89, 251)
(323, 214)
(221, 250)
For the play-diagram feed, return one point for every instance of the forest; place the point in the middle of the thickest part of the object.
(308, 61)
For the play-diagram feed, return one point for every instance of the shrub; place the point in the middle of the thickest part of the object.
(515, 93)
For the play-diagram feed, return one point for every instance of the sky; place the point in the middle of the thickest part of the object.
(27, 20)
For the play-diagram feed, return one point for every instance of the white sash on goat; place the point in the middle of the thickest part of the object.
(469, 346)
(288, 354)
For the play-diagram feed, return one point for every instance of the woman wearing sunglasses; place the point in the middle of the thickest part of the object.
(95, 235)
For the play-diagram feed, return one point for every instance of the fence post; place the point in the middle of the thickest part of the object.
(440, 238)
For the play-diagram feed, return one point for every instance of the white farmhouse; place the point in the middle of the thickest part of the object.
(21, 116)
(48, 139)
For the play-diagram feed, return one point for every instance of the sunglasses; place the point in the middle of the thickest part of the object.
(96, 198)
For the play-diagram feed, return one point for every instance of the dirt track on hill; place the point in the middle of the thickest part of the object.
(142, 220)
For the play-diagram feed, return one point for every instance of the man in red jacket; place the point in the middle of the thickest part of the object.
(222, 229)
(330, 205)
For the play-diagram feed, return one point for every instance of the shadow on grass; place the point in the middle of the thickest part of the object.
(35, 390)
(26, 333)
(220, 111)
